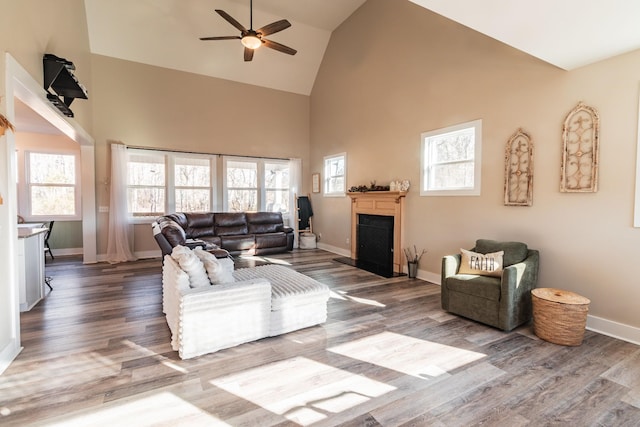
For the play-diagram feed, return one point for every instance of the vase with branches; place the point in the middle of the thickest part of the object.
(413, 258)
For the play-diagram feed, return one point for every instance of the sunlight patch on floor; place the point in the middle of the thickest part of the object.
(411, 356)
(342, 295)
(162, 408)
(264, 259)
(302, 390)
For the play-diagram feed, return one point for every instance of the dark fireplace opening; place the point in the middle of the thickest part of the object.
(374, 234)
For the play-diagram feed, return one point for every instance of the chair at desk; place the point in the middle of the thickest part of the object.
(47, 248)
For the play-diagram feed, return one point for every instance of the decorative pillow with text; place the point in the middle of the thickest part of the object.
(481, 264)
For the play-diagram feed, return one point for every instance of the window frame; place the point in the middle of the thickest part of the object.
(170, 186)
(27, 185)
(425, 165)
(328, 176)
(261, 188)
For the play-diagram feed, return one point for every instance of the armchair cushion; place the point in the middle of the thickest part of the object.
(514, 252)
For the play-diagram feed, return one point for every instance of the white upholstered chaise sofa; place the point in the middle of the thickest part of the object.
(261, 302)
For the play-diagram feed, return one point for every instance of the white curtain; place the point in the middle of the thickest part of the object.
(295, 177)
(119, 244)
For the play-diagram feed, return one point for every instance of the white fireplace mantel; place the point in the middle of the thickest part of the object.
(384, 203)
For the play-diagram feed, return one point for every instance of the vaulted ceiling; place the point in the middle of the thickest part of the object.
(567, 33)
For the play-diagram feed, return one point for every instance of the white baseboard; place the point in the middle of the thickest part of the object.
(9, 353)
(613, 329)
(336, 250)
(66, 251)
(427, 276)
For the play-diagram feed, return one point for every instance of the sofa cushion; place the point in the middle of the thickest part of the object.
(191, 264)
(230, 223)
(514, 252)
(271, 240)
(264, 222)
(199, 225)
(241, 243)
(481, 264)
(217, 269)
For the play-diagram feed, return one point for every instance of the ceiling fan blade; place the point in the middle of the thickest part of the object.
(230, 20)
(274, 27)
(248, 54)
(279, 47)
(221, 38)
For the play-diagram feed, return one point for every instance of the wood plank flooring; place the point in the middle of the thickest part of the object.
(97, 353)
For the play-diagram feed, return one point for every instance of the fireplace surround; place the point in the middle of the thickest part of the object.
(385, 204)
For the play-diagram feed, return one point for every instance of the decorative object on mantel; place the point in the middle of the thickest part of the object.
(413, 258)
(372, 187)
(400, 185)
(518, 174)
(581, 140)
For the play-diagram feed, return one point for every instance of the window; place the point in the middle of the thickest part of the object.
(192, 184)
(257, 185)
(335, 175)
(451, 160)
(160, 182)
(146, 177)
(242, 186)
(277, 184)
(53, 190)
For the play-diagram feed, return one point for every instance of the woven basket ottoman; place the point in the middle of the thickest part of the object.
(559, 316)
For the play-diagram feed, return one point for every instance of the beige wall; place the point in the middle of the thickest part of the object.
(378, 90)
(147, 106)
(31, 28)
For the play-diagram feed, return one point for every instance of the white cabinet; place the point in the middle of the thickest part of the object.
(30, 266)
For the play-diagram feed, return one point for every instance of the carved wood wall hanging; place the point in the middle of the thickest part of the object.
(518, 173)
(580, 138)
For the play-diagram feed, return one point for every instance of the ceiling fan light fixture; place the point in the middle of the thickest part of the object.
(251, 42)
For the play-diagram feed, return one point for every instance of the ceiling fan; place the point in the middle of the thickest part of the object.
(252, 39)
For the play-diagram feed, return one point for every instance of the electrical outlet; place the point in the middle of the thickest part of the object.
(319, 236)
(348, 240)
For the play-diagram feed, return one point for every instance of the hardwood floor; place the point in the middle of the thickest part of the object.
(96, 352)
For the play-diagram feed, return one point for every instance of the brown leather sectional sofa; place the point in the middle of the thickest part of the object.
(250, 233)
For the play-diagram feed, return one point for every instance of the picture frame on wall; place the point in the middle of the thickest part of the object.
(315, 183)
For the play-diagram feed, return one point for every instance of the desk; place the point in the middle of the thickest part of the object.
(30, 265)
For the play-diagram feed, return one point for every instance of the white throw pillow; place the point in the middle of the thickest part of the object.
(481, 264)
(191, 264)
(217, 269)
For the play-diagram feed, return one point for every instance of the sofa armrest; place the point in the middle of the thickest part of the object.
(285, 229)
(450, 266)
(515, 294)
(521, 277)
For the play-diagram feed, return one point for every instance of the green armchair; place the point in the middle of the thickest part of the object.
(502, 302)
